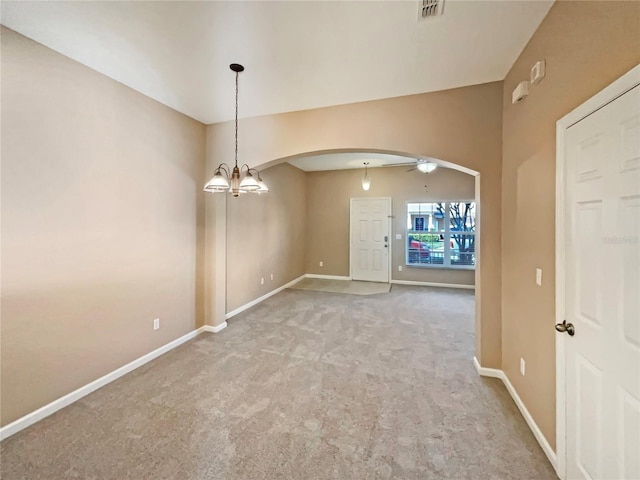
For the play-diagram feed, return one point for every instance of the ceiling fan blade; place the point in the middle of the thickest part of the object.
(412, 169)
(407, 164)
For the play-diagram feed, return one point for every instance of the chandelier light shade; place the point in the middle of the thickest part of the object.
(426, 167)
(366, 181)
(249, 183)
(236, 180)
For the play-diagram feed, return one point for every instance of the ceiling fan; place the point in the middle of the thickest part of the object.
(424, 166)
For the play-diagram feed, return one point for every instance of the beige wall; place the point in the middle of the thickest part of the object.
(587, 45)
(265, 235)
(102, 221)
(328, 195)
(90, 256)
(462, 126)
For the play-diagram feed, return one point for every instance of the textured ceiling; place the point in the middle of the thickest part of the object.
(298, 55)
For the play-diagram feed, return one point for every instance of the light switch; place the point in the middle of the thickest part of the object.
(537, 72)
(539, 277)
(398, 236)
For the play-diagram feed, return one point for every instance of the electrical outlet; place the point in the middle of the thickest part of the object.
(272, 276)
(539, 277)
(399, 268)
(522, 366)
(262, 281)
(321, 264)
(156, 324)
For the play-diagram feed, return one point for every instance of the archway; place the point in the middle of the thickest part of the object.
(225, 310)
(463, 127)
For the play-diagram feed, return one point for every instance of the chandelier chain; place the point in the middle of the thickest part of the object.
(236, 156)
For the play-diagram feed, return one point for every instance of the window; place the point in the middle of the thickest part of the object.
(441, 234)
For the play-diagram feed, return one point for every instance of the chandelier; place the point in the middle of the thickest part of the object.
(236, 180)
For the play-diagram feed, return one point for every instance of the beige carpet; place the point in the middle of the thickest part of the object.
(350, 287)
(304, 386)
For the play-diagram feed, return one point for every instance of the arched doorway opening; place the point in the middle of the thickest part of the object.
(227, 247)
(462, 126)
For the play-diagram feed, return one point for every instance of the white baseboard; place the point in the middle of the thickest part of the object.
(252, 303)
(431, 284)
(487, 372)
(215, 328)
(50, 408)
(544, 444)
(326, 277)
(546, 448)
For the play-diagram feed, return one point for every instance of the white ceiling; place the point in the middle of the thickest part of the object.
(298, 54)
(347, 161)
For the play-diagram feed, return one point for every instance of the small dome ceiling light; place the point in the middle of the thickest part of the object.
(366, 181)
(426, 167)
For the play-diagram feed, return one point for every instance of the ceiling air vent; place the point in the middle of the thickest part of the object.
(430, 8)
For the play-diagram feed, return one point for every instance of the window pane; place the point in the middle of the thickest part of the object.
(426, 217)
(424, 248)
(463, 249)
(462, 216)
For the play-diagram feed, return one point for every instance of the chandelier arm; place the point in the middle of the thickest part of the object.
(223, 167)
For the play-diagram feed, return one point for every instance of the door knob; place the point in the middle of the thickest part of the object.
(566, 327)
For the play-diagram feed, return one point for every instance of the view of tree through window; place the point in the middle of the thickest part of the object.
(441, 234)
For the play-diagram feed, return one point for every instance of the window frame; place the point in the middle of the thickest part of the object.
(446, 261)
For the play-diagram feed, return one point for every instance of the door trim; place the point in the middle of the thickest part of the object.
(390, 247)
(618, 88)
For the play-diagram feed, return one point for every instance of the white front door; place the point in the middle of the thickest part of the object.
(370, 239)
(602, 181)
